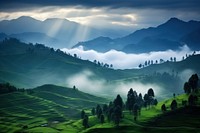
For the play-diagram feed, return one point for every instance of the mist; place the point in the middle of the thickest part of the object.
(87, 81)
(121, 60)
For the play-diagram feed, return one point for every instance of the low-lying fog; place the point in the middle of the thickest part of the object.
(121, 60)
(86, 81)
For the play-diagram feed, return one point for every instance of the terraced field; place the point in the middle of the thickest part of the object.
(43, 110)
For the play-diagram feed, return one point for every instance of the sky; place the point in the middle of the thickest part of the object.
(128, 15)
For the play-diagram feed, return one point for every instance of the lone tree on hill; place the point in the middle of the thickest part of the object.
(163, 108)
(135, 111)
(102, 119)
(118, 101)
(131, 99)
(98, 108)
(150, 92)
(187, 88)
(173, 105)
(99, 113)
(151, 96)
(146, 100)
(85, 122)
(192, 100)
(82, 114)
(193, 81)
(105, 108)
(93, 111)
(117, 115)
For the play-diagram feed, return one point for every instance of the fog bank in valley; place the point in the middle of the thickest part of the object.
(121, 60)
(86, 81)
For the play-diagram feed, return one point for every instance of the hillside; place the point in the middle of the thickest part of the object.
(170, 35)
(22, 64)
(27, 66)
(184, 119)
(44, 106)
(51, 108)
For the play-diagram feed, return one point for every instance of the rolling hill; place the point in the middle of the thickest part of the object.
(169, 35)
(22, 64)
(184, 119)
(51, 108)
(45, 106)
(27, 66)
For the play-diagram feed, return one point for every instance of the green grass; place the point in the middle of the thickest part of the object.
(152, 120)
(44, 107)
(55, 111)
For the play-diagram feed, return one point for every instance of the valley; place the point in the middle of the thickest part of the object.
(53, 108)
(114, 66)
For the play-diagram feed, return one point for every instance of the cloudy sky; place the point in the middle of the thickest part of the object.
(128, 15)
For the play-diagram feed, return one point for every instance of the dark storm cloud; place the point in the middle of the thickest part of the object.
(192, 5)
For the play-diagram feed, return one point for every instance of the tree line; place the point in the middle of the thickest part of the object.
(171, 59)
(191, 88)
(113, 111)
(8, 88)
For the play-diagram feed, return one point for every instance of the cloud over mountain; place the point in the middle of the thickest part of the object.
(121, 60)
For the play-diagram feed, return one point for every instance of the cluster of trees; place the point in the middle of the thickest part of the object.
(8, 88)
(188, 55)
(172, 59)
(114, 110)
(34, 48)
(98, 63)
(190, 88)
(151, 62)
(135, 102)
(84, 118)
(192, 84)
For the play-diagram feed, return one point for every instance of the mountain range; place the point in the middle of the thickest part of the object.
(62, 33)
(170, 35)
(53, 32)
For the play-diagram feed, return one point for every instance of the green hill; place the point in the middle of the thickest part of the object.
(27, 66)
(184, 119)
(44, 107)
(22, 64)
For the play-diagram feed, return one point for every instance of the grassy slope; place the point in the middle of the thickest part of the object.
(153, 120)
(47, 104)
(46, 108)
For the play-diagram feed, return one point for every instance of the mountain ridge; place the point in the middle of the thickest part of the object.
(171, 31)
(67, 32)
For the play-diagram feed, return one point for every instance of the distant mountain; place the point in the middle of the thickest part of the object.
(96, 44)
(149, 44)
(2, 36)
(165, 36)
(32, 37)
(64, 33)
(192, 39)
